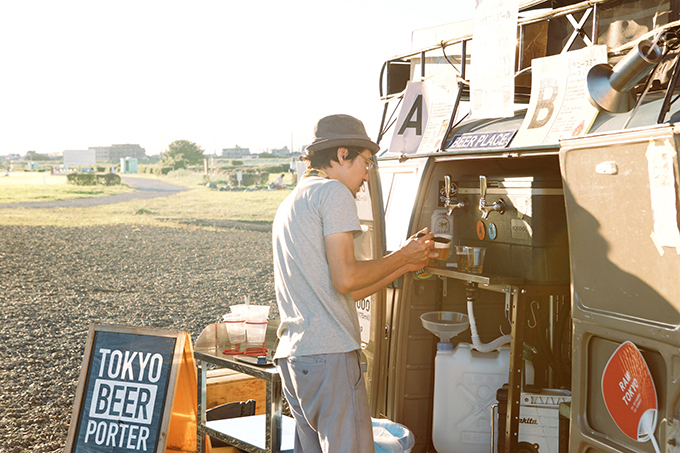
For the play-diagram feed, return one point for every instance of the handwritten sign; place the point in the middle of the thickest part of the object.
(126, 391)
(629, 393)
(559, 106)
(492, 79)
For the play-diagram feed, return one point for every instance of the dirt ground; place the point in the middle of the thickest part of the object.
(55, 282)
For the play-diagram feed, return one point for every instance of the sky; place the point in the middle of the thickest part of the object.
(77, 74)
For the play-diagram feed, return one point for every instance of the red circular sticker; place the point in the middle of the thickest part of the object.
(481, 230)
(629, 393)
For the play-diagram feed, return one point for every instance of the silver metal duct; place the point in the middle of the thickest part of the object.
(610, 88)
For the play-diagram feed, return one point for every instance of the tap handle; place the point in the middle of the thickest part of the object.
(447, 186)
(482, 186)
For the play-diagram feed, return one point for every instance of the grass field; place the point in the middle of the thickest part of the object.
(197, 203)
(33, 186)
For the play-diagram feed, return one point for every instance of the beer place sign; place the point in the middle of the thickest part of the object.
(127, 395)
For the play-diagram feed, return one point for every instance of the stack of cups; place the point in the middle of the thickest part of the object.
(255, 317)
(256, 324)
(236, 327)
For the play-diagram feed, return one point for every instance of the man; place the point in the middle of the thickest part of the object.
(279, 182)
(317, 280)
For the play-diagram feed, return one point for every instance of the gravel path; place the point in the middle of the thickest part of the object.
(145, 189)
(55, 282)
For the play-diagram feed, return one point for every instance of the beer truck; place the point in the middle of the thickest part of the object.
(544, 134)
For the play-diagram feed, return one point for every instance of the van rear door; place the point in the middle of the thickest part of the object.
(621, 195)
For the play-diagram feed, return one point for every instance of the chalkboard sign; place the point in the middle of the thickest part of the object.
(126, 394)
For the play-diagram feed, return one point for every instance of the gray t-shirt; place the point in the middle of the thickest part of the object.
(315, 317)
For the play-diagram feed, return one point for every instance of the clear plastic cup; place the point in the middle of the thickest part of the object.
(462, 258)
(256, 322)
(241, 309)
(257, 313)
(475, 256)
(442, 245)
(236, 327)
(256, 332)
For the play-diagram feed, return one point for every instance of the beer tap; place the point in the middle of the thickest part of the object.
(487, 208)
(447, 200)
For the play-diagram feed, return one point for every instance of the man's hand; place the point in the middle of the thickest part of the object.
(419, 250)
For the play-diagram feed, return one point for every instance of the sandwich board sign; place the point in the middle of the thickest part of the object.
(136, 393)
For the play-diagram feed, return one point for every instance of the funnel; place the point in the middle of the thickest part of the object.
(444, 324)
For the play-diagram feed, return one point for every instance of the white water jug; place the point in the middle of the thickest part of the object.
(465, 385)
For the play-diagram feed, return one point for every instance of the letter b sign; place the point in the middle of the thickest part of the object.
(547, 93)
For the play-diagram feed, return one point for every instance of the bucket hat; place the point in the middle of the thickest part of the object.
(341, 130)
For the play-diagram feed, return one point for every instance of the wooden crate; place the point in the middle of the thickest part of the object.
(227, 386)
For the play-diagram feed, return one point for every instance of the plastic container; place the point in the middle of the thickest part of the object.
(465, 386)
(257, 313)
(240, 309)
(442, 245)
(391, 437)
(236, 327)
(256, 333)
(256, 324)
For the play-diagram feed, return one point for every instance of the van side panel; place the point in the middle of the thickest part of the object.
(625, 285)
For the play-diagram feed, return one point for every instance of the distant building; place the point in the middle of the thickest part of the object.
(116, 152)
(102, 153)
(122, 151)
(281, 152)
(236, 153)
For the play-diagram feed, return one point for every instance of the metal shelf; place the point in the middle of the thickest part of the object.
(480, 279)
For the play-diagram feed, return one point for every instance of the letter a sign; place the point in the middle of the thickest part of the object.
(412, 119)
(424, 115)
(629, 393)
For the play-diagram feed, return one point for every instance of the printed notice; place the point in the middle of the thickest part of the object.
(443, 99)
(662, 190)
(559, 106)
(492, 81)
(364, 313)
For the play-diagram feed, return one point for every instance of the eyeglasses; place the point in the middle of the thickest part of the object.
(369, 162)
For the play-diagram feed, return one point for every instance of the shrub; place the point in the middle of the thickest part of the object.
(81, 179)
(282, 168)
(236, 163)
(108, 179)
(162, 170)
(91, 179)
(248, 179)
(264, 178)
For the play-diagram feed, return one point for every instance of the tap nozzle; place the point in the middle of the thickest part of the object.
(498, 206)
(447, 200)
